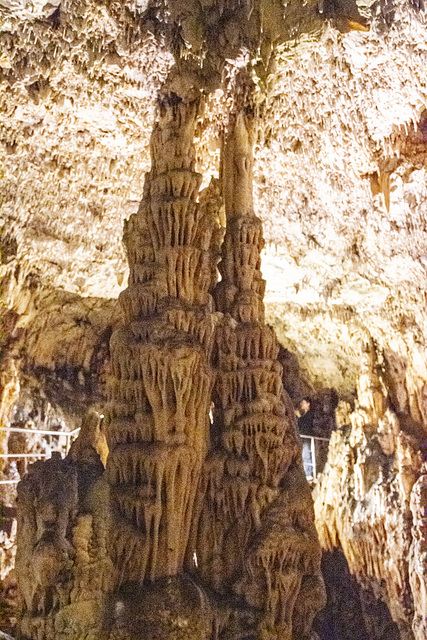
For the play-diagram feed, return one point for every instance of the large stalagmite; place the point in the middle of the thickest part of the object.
(256, 538)
(160, 394)
(198, 510)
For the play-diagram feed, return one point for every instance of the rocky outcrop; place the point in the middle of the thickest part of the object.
(62, 564)
(375, 466)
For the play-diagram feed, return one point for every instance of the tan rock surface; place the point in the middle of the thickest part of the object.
(339, 176)
(369, 500)
(341, 113)
(178, 494)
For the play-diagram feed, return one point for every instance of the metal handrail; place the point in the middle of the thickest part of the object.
(303, 435)
(44, 431)
(312, 464)
(36, 454)
(40, 455)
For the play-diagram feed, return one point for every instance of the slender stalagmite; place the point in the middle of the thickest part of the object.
(256, 537)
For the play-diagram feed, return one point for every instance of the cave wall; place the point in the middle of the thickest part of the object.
(345, 243)
(376, 468)
(352, 611)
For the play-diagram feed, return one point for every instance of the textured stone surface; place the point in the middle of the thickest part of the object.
(157, 425)
(418, 558)
(256, 536)
(375, 466)
(340, 110)
(62, 562)
(339, 173)
(225, 501)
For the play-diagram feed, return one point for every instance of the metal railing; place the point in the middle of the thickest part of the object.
(38, 455)
(310, 455)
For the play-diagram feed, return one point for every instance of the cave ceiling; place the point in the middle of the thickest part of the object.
(340, 163)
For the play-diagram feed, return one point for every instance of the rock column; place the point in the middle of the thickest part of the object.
(418, 557)
(256, 539)
(161, 387)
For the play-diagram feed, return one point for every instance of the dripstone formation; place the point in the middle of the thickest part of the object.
(256, 535)
(377, 464)
(161, 390)
(210, 521)
(62, 562)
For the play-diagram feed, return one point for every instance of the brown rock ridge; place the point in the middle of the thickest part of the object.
(376, 468)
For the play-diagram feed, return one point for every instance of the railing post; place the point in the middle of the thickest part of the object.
(313, 456)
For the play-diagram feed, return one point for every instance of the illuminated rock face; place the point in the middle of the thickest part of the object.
(186, 503)
(375, 467)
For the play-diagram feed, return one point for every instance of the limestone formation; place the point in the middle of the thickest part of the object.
(345, 114)
(418, 557)
(256, 538)
(62, 563)
(157, 426)
(227, 502)
(375, 465)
